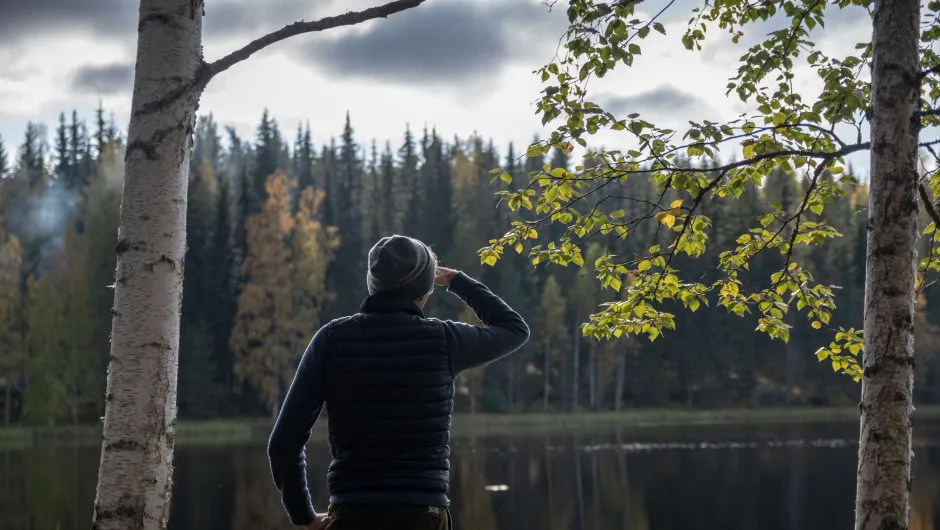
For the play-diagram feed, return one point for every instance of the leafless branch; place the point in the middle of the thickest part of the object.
(928, 204)
(932, 70)
(350, 18)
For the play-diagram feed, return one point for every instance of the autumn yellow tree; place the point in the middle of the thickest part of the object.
(285, 267)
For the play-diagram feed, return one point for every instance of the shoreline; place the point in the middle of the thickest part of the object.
(256, 430)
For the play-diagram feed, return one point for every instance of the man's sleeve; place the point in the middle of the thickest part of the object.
(299, 413)
(503, 330)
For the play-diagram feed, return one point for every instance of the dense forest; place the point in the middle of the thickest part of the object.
(278, 231)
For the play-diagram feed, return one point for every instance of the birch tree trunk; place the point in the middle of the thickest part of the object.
(136, 473)
(136, 467)
(884, 454)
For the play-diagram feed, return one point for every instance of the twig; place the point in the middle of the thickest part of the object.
(934, 69)
(928, 204)
(350, 18)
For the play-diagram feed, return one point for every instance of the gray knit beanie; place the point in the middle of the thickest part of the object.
(402, 267)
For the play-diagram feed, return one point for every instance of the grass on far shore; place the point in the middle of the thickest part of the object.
(253, 430)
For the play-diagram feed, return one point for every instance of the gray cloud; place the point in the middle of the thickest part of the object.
(23, 18)
(108, 79)
(118, 18)
(664, 101)
(246, 17)
(443, 42)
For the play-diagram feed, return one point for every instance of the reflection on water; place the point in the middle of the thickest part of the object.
(767, 478)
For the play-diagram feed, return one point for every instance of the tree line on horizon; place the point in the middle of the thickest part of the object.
(278, 231)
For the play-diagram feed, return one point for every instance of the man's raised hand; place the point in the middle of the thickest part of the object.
(443, 276)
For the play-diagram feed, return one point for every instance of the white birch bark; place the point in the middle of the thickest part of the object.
(136, 472)
(884, 457)
(136, 467)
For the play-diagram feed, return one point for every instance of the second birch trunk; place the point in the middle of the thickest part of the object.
(884, 454)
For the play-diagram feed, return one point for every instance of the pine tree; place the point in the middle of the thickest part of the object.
(100, 129)
(224, 286)
(328, 179)
(198, 389)
(387, 187)
(267, 152)
(31, 159)
(406, 178)
(63, 170)
(304, 157)
(437, 207)
(348, 271)
(372, 198)
(4, 160)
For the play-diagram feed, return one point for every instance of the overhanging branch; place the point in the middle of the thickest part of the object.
(297, 28)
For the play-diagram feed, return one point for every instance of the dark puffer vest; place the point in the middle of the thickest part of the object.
(386, 376)
(389, 422)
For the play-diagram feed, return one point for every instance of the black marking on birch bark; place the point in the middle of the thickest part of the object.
(194, 7)
(109, 397)
(159, 18)
(123, 245)
(148, 150)
(123, 445)
(162, 346)
(185, 88)
(875, 435)
(133, 513)
(893, 291)
(160, 134)
(163, 259)
(889, 249)
(890, 523)
(896, 360)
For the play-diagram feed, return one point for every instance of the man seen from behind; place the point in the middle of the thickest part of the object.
(386, 375)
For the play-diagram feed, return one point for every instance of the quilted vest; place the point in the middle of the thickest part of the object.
(389, 399)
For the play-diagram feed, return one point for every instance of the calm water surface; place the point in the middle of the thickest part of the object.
(702, 478)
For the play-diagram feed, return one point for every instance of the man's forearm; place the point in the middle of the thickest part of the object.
(503, 330)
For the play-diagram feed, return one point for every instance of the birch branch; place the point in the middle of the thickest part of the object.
(350, 18)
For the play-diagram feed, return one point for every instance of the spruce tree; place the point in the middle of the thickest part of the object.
(63, 168)
(267, 153)
(100, 130)
(387, 186)
(348, 271)
(4, 160)
(406, 179)
(437, 207)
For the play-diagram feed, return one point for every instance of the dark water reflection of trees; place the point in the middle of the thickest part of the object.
(765, 478)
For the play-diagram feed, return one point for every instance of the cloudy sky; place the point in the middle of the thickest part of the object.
(459, 65)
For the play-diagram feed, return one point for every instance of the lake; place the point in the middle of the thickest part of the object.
(754, 477)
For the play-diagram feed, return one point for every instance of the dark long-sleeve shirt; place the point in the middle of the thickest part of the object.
(503, 331)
